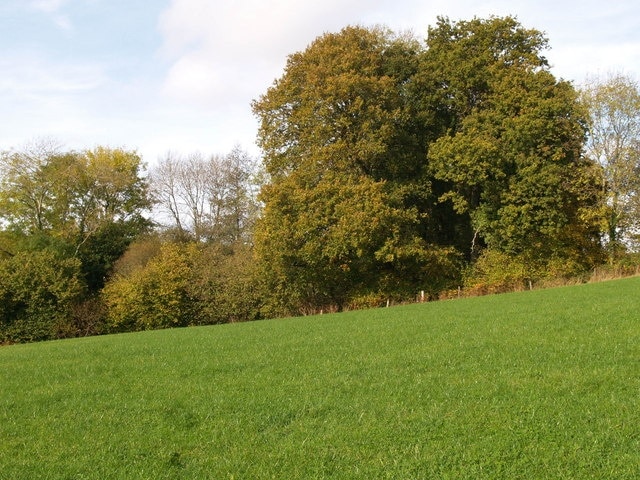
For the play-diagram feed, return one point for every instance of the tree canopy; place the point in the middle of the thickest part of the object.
(440, 149)
(511, 157)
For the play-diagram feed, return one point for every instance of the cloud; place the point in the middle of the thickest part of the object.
(47, 97)
(219, 56)
(53, 9)
(48, 6)
(100, 82)
(26, 76)
(219, 51)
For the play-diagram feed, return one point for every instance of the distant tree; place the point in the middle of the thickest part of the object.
(234, 198)
(207, 198)
(166, 190)
(27, 186)
(614, 142)
(92, 201)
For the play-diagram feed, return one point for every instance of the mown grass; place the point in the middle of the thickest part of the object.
(542, 384)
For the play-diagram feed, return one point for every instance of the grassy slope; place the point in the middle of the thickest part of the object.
(542, 384)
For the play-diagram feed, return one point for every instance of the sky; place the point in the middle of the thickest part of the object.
(159, 76)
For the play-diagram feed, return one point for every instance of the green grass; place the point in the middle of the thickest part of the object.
(542, 384)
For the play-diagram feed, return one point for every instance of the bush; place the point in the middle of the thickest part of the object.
(38, 291)
(183, 284)
(498, 272)
(226, 285)
(156, 295)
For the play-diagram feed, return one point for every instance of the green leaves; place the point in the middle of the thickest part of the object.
(180, 284)
(324, 237)
(71, 194)
(156, 296)
(465, 143)
(92, 201)
(37, 291)
(515, 150)
(339, 103)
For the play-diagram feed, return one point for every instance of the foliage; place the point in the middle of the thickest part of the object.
(614, 141)
(156, 295)
(540, 384)
(511, 158)
(92, 202)
(340, 105)
(318, 241)
(226, 285)
(168, 284)
(344, 210)
(428, 154)
(38, 290)
(138, 255)
(391, 166)
(70, 195)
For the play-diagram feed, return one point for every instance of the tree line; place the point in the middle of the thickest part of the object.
(390, 165)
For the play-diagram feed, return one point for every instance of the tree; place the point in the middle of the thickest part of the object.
(463, 144)
(227, 284)
(234, 198)
(347, 206)
(324, 245)
(614, 142)
(173, 284)
(37, 293)
(510, 159)
(156, 295)
(208, 198)
(93, 201)
(27, 187)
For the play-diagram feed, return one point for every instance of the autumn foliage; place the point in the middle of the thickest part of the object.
(390, 166)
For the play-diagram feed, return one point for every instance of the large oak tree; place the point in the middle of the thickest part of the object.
(511, 155)
(344, 208)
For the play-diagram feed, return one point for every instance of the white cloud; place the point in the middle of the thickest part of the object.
(221, 55)
(31, 75)
(48, 6)
(53, 9)
(47, 98)
(222, 51)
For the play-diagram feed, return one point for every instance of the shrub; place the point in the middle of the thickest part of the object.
(156, 295)
(226, 285)
(38, 291)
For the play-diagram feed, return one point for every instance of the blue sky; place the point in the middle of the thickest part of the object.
(179, 75)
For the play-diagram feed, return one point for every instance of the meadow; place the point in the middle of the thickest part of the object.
(540, 384)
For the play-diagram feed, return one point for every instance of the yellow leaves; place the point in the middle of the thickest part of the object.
(337, 103)
(155, 296)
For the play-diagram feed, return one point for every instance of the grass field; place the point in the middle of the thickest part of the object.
(542, 384)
